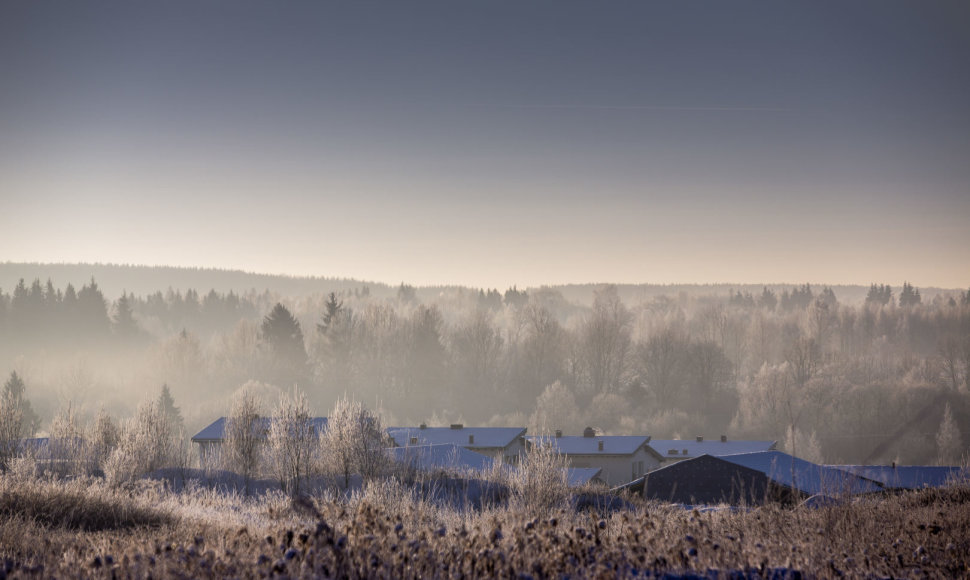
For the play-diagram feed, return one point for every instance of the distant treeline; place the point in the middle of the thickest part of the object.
(830, 380)
(115, 279)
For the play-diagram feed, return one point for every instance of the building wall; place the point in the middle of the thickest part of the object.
(617, 469)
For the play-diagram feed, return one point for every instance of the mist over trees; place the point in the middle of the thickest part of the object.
(795, 363)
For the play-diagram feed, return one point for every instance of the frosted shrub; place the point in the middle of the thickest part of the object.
(245, 437)
(149, 441)
(354, 442)
(23, 468)
(105, 437)
(292, 442)
(11, 426)
(538, 483)
(69, 453)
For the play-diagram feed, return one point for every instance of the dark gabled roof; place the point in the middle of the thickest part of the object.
(468, 437)
(216, 431)
(906, 476)
(703, 480)
(579, 445)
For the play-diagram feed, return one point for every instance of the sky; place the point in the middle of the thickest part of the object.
(492, 143)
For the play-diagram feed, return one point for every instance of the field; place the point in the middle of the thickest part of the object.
(82, 528)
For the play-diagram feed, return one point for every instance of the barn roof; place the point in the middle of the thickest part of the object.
(578, 445)
(685, 448)
(803, 475)
(703, 480)
(467, 437)
(216, 431)
(906, 476)
(446, 456)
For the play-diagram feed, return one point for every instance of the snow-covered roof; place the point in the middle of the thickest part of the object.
(467, 437)
(446, 456)
(216, 431)
(577, 476)
(803, 475)
(686, 448)
(906, 476)
(579, 445)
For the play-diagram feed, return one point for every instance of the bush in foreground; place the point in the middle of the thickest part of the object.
(388, 531)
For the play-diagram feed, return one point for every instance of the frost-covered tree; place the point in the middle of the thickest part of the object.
(538, 485)
(556, 409)
(105, 437)
(949, 443)
(149, 441)
(354, 442)
(68, 446)
(292, 441)
(245, 435)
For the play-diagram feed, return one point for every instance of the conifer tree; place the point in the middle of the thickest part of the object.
(948, 440)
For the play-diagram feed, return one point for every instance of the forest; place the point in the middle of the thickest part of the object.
(875, 380)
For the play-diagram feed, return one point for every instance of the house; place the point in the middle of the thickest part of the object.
(210, 439)
(748, 478)
(900, 477)
(621, 458)
(443, 457)
(672, 450)
(499, 443)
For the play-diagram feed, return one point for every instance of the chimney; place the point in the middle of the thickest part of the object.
(558, 433)
(700, 439)
(588, 432)
(423, 426)
(457, 426)
(600, 444)
(723, 438)
(471, 439)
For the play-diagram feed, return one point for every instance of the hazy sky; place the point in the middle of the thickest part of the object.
(492, 143)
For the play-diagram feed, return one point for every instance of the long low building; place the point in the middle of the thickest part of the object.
(499, 443)
(907, 476)
(621, 458)
(749, 479)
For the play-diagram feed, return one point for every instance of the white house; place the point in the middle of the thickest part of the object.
(673, 450)
(621, 458)
(503, 443)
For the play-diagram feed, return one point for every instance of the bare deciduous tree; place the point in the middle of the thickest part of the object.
(245, 436)
(354, 442)
(291, 442)
(605, 341)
